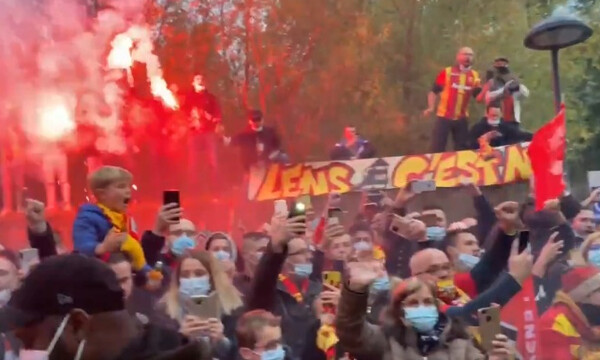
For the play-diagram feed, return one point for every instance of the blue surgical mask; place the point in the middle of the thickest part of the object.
(275, 354)
(303, 270)
(594, 257)
(422, 318)
(181, 244)
(436, 233)
(195, 286)
(362, 246)
(222, 255)
(381, 284)
(468, 260)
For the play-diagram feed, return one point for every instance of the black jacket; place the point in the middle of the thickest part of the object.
(270, 294)
(156, 343)
(247, 142)
(509, 134)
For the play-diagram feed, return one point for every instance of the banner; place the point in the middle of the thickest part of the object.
(521, 315)
(503, 166)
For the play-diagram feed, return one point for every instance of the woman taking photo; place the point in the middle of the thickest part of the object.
(416, 329)
(197, 281)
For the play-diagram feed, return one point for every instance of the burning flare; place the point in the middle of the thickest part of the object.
(135, 44)
(55, 119)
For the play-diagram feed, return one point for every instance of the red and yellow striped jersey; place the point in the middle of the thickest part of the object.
(456, 88)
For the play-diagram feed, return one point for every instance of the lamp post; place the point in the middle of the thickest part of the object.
(555, 33)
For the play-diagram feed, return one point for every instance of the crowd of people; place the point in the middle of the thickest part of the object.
(393, 285)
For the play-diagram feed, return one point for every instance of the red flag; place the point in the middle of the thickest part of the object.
(547, 155)
(520, 315)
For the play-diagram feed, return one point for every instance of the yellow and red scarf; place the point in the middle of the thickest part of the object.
(122, 223)
(292, 288)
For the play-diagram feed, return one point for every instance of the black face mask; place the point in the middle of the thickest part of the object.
(502, 70)
(592, 313)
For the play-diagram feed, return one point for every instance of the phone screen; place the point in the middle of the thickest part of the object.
(429, 219)
(523, 241)
(171, 197)
(335, 213)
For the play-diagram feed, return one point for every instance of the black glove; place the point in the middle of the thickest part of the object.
(514, 86)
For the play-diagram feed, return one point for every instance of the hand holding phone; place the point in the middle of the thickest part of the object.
(489, 326)
(421, 186)
(400, 226)
(281, 208)
(172, 197)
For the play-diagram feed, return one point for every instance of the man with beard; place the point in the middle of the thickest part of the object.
(455, 85)
(570, 328)
(72, 307)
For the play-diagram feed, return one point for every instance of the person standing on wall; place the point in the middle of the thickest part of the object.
(455, 85)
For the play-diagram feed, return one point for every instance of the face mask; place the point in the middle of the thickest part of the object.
(594, 257)
(26, 354)
(303, 270)
(381, 284)
(436, 233)
(181, 244)
(362, 246)
(469, 261)
(4, 297)
(275, 354)
(502, 70)
(422, 318)
(196, 286)
(493, 122)
(222, 255)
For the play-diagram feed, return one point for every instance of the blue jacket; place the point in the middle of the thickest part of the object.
(89, 229)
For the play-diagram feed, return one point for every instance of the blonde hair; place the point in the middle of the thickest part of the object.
(229, 297)
(107, 175)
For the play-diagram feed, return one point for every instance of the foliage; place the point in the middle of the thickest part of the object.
(314, 66)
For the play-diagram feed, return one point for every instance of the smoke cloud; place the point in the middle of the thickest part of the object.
(56, 73)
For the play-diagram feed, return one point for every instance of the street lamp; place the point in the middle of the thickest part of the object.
(555, 33)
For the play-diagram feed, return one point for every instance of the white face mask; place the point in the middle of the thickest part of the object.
(4, 297)
(28, 354)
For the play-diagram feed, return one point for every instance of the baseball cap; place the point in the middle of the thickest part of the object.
(60, 284)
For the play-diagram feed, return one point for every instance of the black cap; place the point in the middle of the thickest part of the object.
(60, 284)
(255, 115)
(501, 58)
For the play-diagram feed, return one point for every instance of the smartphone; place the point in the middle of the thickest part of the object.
(210, 307)
(281, 207)
(335, 213)
(428, 219)
(421, 186)
(29, 258)
(400, 226)
(172, 197)
(298, 208)
(333, 278)
(489, 326)
(523, 241)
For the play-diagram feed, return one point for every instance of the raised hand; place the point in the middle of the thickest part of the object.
(35, 214)
(166, 217)
(282, 230)
(507, 214)
(519, 265)
(362, 274)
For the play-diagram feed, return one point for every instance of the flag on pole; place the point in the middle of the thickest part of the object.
(547, 155)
